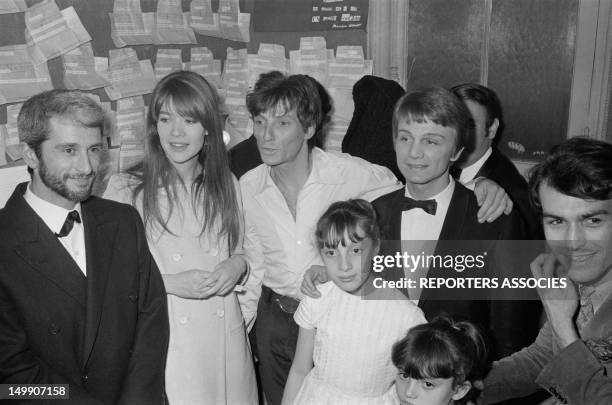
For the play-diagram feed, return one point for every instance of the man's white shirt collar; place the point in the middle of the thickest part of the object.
(52, 215)
(469, 173)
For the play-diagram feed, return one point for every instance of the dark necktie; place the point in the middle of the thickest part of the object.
(429, 206)
(73, 216)
(455, 171)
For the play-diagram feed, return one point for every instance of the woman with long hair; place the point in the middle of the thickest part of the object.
(190, 205)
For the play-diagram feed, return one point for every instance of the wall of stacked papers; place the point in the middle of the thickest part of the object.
(117, 50)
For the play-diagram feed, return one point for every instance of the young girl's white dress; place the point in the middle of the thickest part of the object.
(352, 348)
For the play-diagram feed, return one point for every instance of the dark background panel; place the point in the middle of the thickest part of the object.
(531, 58)
(444, 42)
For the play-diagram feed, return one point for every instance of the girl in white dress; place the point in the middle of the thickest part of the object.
(346, 335)
(437, 362)
(190, 204)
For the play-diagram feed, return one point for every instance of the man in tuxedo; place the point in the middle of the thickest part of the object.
(430, 129)
(82, 302)
(572, 355)
(483, 159)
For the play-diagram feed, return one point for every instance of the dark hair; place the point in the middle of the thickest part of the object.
(579, 167)
(282, 93)
(213, 189)
(439, 106)
(34, 116)
(346, 218)
(443, 348)
(485, 97)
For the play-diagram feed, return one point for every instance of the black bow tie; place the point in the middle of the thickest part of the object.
(429, 206)
(73, 216)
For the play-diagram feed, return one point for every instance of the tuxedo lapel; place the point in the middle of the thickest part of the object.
(100, 234)
(390, 215)
(41, 249)
(451, 231)
(456, 214)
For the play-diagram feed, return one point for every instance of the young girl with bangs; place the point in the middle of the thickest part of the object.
(345, 336)
(191, 207)
(437, 363)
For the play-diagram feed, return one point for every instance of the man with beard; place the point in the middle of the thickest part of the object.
(82, 302)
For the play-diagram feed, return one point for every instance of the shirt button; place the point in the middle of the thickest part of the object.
(183, 320)
(220, 313)
(177, 256)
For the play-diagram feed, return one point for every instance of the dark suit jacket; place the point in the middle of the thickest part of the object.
(105, 334)
(512, 324)
(244, 156)
(502, 171)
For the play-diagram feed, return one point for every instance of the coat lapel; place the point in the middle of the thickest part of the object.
(451, 231)
(41, 249)
(600, 326)
(100, 234)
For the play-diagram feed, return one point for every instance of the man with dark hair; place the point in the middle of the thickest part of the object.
(572, 355)
(430, 130)
(483, 159)
(245, 155)
(82, 302)
(283, 198)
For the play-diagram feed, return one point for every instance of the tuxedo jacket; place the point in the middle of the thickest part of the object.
(501, 170)
(579, 374)
(511, 324)
(106, 334)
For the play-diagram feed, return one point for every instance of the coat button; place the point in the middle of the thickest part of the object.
(177, 257)
(183, 320)
(220, 313)
(53, 329)
(133, 297)
(84, 379)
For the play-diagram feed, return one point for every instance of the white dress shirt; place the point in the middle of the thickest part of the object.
(54, 216)
(468, 174)
(280, 248)
(424, 229)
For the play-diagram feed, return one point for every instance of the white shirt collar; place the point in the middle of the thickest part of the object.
(52, 215)
(468, 173)
(322, 171)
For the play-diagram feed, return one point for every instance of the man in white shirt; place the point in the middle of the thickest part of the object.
(82, 302)
(483, 158)
(283, 199)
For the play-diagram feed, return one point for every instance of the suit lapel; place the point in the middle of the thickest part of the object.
(451, 230)
(600, 326)
(456, 214)
(100, 234)
(391, 231)
(488, 167)
(41, 249)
